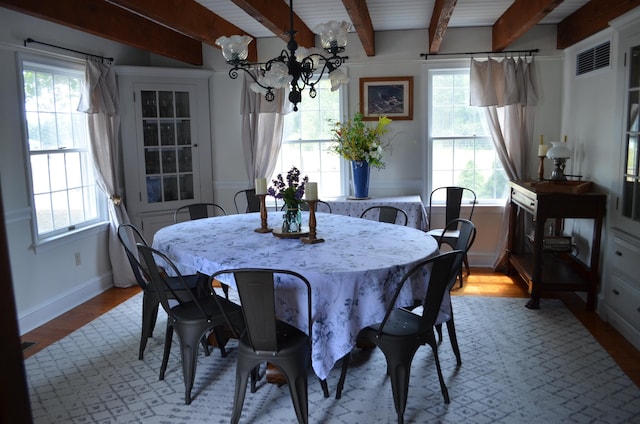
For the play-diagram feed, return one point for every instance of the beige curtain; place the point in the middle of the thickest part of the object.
(506, 90)
(100, 100)
(262, 125)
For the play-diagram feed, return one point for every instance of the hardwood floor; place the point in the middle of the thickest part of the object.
(481, 282)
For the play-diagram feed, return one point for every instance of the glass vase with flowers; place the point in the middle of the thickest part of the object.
(291, 193)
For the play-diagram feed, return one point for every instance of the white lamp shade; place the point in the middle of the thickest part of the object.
(312, 54)
(235, 47)
(338, 78)
(278, 76)
(333, 34)
(558, 150)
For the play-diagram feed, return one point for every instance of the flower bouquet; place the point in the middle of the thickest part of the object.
(291, 193)
(358, 142)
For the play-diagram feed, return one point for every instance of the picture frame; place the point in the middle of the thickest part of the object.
(389, 96)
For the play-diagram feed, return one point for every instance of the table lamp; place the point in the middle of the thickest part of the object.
(559, 152)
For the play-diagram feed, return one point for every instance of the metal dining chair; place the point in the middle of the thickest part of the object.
(251, 202)
(389, 214)
(199, 211)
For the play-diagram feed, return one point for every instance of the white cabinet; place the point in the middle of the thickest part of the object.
(166, 142)
(621, 290)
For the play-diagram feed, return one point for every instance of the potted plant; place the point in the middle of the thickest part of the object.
(291, 194)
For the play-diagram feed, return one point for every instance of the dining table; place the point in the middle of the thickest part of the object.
(353, 273)
(411, 204)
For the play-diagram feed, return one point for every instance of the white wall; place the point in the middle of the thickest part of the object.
(48, 282)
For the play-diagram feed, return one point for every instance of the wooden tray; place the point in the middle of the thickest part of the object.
(560, 186)
(278, 233)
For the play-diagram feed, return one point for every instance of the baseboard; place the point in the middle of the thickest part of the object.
(45, 312)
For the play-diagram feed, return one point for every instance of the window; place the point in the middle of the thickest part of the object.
(462, 151)
(306, 139)
(65, 196)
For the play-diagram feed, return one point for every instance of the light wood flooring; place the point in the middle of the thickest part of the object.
(481, 282)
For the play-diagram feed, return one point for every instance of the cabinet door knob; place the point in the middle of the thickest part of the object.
(616, 292)
(618, 253)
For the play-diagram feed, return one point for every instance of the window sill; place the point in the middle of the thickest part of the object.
(70, 237)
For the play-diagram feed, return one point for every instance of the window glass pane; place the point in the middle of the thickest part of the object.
(462, 152)
(149, 104)
(62, 175)
(166, 104)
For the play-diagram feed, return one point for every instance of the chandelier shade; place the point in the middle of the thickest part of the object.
(299, 68)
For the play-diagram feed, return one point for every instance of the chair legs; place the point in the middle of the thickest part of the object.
(149, 316)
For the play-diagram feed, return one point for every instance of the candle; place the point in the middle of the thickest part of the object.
(261, 186)
(311, 191)
(542, 150)
(541, 139)
(565, 138)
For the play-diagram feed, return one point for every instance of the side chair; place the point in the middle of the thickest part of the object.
(402, 331)
(129, 236)
(250, 200)
(389, 214)
(199, 211)
(192, 317)
(454, 197)
(268, 339)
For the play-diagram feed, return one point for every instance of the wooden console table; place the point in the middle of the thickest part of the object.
(554, 271)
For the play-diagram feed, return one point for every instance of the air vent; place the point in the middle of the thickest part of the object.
(594, 58)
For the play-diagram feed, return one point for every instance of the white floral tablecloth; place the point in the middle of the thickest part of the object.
(352, 274)
(412, 205)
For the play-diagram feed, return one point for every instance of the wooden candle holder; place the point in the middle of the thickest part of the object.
(541, 168)
(263, 215)
(312, 239)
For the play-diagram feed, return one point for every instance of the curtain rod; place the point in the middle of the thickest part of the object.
(90, 55)
(529, 52)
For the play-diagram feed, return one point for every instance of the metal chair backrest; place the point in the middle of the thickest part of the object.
(388, 214)
(466, 235)
(129, 237)
(199, 211)
(454, 197)
(321, 206)
(257, 290)
(252, 201)
(443, 272)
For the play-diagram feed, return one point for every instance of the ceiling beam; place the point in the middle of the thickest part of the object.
(590, 19)
(359, 14)
(109, 21)
(274, 15)
(189, 18)
(442, 10)
(519, 18)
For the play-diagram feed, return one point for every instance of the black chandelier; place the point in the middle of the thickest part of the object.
(296, 67)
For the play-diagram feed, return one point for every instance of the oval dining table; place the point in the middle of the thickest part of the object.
(353, 273)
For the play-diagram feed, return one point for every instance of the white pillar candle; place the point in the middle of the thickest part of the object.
(311, 191)
(261, 186)
(542, 150)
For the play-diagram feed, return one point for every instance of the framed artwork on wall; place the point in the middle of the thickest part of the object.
(390, 96)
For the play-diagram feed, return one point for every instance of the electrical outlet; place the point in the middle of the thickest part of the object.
(78, 260)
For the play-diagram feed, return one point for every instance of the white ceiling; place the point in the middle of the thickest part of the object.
(387, 15)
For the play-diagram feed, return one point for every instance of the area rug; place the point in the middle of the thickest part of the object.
(518, 365)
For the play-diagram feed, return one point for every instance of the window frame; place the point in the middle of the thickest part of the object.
(52, 239)
(344, 164)
(429, 69)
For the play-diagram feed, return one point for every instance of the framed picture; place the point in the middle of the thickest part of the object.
(390, 96)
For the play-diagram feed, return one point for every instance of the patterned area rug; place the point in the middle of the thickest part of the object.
(518, 366)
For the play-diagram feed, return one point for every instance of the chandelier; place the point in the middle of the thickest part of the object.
(298, 68)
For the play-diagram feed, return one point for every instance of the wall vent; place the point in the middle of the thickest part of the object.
(597, 57)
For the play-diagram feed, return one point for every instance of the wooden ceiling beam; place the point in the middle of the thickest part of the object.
(189, 18)
(109, 21)
(361, 20)
(274, 15)
(590, 19)
(519, 18)
(442, 10)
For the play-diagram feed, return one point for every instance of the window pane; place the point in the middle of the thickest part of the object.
(63, 181)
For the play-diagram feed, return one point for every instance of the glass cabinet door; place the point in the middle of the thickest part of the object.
(167, 145)
(631, 184)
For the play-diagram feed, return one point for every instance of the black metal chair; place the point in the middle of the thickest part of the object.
(199, 211)
(467, 235)
(389, 214)
(402, 331)
(191, 316)
(268, 339)
(321, 206)
(251, 201)
(454, 198)
(129, 236)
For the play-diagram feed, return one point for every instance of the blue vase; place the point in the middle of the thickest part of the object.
(360, 171)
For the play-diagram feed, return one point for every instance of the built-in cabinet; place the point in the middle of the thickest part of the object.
(620, 292)
(166, 142)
